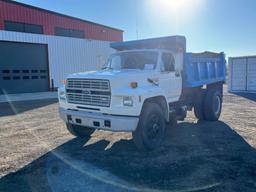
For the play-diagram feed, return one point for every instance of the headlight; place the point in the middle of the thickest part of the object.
(62, 95)
(127, 101)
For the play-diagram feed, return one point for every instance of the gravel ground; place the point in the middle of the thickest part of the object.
(38, 154)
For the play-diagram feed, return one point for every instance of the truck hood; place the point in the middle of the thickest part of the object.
(118, 79)
(111, 74)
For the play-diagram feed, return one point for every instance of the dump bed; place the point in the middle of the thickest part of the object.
(203, 68)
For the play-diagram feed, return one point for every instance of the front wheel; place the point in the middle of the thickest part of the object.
(151, 128)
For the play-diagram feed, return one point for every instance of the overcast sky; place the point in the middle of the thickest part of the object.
(215, 25)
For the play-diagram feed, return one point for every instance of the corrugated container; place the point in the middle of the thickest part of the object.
(242, 74)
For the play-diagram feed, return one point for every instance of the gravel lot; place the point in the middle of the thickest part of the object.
(38, 154)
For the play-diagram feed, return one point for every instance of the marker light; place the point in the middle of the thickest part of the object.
(64, 82)
(133, 85)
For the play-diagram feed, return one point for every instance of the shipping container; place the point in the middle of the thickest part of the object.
(242, 74)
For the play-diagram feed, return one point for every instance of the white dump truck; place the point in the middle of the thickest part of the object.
(146, 86)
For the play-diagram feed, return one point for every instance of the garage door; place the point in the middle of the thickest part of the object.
(239, 69)
(23, 68)
(251, 74)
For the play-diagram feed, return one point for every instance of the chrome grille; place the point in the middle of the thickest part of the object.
(88, 84)
(94, 92)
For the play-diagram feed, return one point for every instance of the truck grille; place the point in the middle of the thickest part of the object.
(94, 92)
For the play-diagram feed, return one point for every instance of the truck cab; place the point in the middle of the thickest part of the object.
(143, 88)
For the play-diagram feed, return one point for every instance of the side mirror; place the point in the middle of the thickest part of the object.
(177, 73)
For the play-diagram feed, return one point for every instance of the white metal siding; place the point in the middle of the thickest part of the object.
(66, 55)
(238, 78)
(251, 74)
(242, 74)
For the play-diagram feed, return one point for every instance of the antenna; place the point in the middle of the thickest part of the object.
(136, 15)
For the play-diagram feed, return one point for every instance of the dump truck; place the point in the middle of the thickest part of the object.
(144, 88)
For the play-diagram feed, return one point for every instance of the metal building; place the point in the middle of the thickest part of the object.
(242, 74)
(40, 47)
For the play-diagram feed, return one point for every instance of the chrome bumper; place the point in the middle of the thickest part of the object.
(99, 120)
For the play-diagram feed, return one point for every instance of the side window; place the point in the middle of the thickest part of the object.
(23, 27)
(168, 62)
(59, 31)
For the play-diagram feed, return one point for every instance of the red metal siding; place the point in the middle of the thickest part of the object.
(13, 12)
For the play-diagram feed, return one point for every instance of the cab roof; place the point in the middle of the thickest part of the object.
(172, 43)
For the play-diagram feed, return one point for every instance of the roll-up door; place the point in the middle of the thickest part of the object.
(23, 67)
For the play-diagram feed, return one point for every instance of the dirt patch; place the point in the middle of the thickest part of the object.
(38, 154)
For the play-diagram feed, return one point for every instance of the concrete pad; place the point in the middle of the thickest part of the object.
(28, 96)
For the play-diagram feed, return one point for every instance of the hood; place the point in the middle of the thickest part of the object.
(118, 79)
(111, 74)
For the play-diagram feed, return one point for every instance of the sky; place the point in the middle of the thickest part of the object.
(215, 25)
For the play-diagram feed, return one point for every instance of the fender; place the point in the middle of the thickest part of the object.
(150, 93)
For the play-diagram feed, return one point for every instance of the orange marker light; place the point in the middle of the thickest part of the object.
(64, 82)
(134, 85)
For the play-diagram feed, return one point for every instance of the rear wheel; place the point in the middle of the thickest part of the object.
(79, 131)
(151, 129)
(199, 105)
(213, 105)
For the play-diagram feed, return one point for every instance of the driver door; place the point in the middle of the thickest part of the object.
(169, 80)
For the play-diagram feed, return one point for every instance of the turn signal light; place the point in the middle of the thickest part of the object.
(64, 82)
(134, 85)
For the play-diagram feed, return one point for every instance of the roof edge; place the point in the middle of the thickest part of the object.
(242, 57)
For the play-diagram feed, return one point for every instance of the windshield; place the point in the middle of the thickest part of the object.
(144, 60)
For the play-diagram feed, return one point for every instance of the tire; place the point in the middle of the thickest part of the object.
(79, 131)
(151, 128)
(199, 106)
(212, 105)
(172, 121)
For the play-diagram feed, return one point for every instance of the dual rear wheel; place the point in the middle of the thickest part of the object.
(208, 105)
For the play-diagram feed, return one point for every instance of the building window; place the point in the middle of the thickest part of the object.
(31, 28)
(23, 27)
(59, 31)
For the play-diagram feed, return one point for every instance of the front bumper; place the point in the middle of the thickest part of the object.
(99, 120)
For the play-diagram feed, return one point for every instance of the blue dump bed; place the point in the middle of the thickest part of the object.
(203, 68)
(199, 68)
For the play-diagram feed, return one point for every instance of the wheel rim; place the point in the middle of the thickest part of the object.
(217, 105)
(153, 130)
